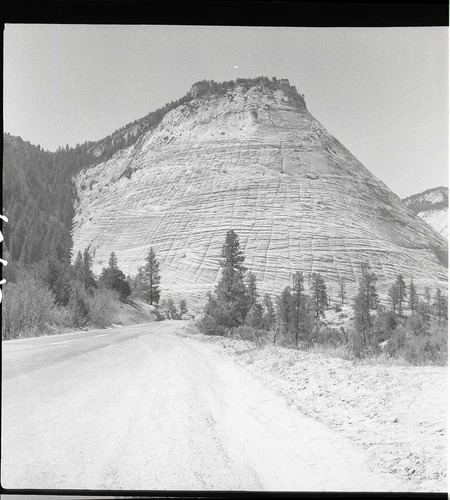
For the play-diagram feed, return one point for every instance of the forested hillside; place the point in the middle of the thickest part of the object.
(38, 192)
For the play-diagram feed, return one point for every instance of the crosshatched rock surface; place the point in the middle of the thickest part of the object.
(255, 161)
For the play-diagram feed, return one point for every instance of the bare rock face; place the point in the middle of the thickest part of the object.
(432, 207)
(256, 161)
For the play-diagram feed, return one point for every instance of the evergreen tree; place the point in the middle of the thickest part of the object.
(89, 279)
(255, 316)
(231, 294)
(318, 295)
(424, 310)
(252, 291)
(57, 278)
(151, 278)
(440, 303)
(300, 323)
(79, 267)
(171, 308)
(114, 279)
(269, 315)
(401, 292)
(365, 300)
(232, 255)
(413, 298)
(112, 263)
(285, 310)
(182, 307)
(393, 295)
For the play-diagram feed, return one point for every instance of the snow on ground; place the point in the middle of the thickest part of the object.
(398, 413)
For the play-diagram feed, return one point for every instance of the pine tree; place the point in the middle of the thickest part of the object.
(114, 279)
(182, 307)
(57, 278)
(318, 295)
(231, 294)
(440, 303)
(393, 295)
(300, 323)
(285, 310)
(151, 278)
(401, 291)
(413, 298)
(365, 300)
(79, 267)
(112, 263)
(89, 280)
(255, 316)
(269, 315)
(232, 255)
(252, 291)
(171, 308)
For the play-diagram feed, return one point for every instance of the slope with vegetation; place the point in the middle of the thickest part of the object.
(412, 327)
(249, 155)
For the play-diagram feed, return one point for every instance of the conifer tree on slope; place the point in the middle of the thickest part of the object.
(88, 275)
(231, 292)
(269, 316)
(413, 298)
(401, 292)
(151, 278)
(365, 300)
(319, 295)
(114, 279)
(299, 307)
(285, 313)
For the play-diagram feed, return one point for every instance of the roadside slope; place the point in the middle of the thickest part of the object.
(398, 414)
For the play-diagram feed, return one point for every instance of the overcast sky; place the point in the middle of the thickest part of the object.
(382, 92)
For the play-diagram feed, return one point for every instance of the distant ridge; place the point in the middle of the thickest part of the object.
(431, 206)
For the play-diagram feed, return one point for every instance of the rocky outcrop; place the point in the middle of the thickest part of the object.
(432, 207)
(252, 159)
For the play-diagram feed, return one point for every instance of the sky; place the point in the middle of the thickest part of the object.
(382, 92)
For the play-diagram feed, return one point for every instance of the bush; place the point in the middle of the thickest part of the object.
(96, 307)
(28, 308)
(101, 306)
(356, 343)
(255, 335)
(208, 326)
(419, 349)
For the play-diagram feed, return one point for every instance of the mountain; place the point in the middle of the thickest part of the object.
(432, 207)
(248, 156)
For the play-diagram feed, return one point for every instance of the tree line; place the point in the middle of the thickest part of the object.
(296, 316)
(55, 293)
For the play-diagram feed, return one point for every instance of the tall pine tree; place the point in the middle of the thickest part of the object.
(151, 278)
(231, 294)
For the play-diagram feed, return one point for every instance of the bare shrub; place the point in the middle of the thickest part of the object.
(257, 336)
(418, 348)
(101, 306)
(28, 308)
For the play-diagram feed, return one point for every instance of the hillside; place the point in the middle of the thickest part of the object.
(432, 207)
(249, 156)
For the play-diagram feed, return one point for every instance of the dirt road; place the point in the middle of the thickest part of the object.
(141, 408)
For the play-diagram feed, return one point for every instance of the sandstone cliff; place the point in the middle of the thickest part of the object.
(432, 207)
(252, 159)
